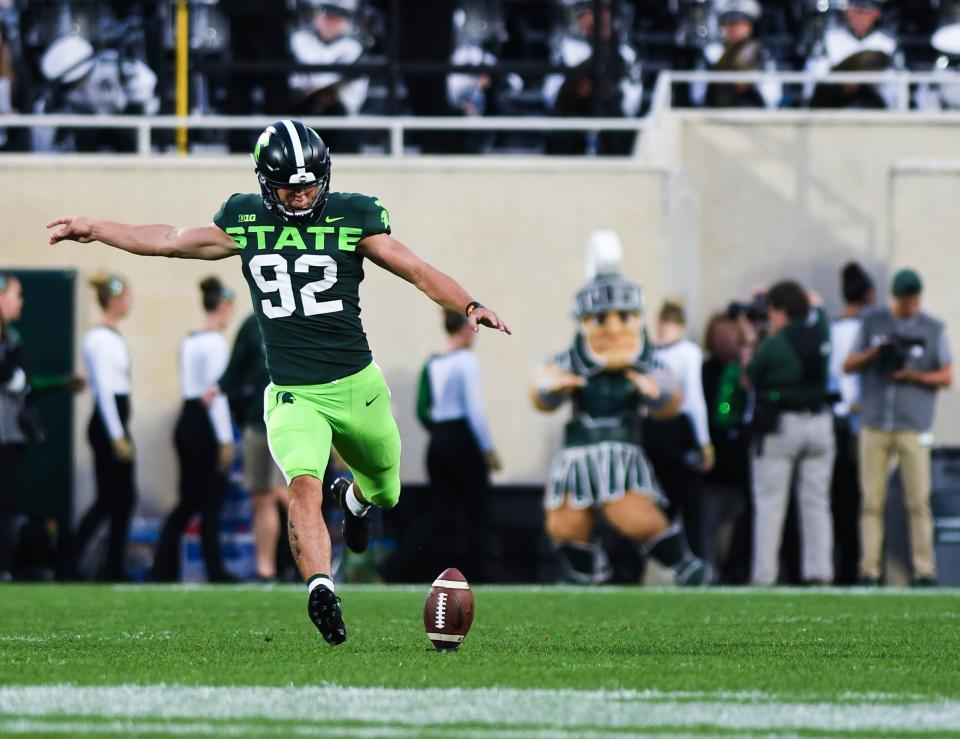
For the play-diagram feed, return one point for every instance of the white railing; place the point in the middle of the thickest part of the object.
(397, 127)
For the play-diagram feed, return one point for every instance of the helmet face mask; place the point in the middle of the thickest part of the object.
(292, 156)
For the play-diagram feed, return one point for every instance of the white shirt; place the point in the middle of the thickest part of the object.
(843, 332)
(309, 48)
(839, 43)
(108, 364)
(203, 358)
(771, 91)
(685, 361)
(457, 393)
(465, 88)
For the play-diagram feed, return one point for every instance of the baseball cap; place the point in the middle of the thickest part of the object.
(906, 283)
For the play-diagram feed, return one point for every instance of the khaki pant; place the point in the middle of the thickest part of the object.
(877, 449)
(803, 443)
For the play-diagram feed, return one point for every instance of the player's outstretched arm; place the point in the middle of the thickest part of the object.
(202, 242)
(385, 251)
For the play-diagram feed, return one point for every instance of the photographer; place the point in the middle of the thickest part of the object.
(792, 430)
(902, 356)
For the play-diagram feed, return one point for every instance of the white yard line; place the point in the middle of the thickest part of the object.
(125, 728)
(507, 709)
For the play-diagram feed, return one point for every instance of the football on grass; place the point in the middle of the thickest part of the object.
(448, 612)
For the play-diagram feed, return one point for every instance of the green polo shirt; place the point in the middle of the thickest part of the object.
(777, 372)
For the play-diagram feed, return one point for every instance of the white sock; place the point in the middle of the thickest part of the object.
(357, 508)
(318, 581)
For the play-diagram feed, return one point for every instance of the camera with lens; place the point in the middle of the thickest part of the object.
(755, 311)
(894, 352)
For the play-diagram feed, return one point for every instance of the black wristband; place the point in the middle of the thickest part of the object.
(471, 307)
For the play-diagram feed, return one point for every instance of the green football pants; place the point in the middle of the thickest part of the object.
(353, 413)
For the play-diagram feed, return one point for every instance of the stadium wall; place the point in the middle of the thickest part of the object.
(747, 200)
(799, 195)
(513, 232)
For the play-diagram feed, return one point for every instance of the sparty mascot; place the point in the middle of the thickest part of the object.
(610, 379)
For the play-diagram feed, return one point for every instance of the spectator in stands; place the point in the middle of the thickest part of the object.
(946, 42)
(204, 440)
(460, 457)
(859, 44)
(8, 81)
(244, 382)
(679, 447)
(903, 359)
(727, 505)
(82, 79)
(858, 296)
(476, 94)
(576, 94)
(793, 432)
(331, 39)
(107, 359)
(738, 51)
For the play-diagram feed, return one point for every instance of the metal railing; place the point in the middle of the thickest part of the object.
(903, 81)
(397, 127)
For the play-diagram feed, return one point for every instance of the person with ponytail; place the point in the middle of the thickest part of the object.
(108, 365)
(204, 439)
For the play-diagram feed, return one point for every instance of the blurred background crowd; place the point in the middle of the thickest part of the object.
(375, 57)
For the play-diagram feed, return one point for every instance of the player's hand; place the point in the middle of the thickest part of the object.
(649, 388)
(225, 456)
(123, 449)
(72, 228)
(493, 461)
(486, 317)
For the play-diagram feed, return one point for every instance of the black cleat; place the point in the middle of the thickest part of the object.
(356, 529)
(323, 607)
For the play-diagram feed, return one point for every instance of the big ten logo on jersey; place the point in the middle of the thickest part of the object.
(313, 238)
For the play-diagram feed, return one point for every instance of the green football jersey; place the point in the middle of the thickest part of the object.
(305, 283)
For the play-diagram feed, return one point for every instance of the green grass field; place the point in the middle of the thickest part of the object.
(539, 662)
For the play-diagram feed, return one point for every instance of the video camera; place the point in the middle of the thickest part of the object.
(755, 311)
(894, 352)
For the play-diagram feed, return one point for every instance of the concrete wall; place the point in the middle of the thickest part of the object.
(798, 196)
(513, 233)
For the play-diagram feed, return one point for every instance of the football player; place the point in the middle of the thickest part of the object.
(302, 249)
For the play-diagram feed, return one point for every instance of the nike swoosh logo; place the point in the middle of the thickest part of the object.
(334, 220)
(373, 399)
